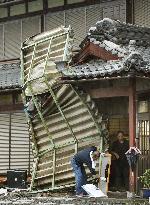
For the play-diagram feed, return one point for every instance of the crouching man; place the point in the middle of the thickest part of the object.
(87, 156)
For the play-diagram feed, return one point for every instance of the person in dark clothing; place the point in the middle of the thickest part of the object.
(87, 156)
(119, 148)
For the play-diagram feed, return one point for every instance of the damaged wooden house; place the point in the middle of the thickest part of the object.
(72, 100)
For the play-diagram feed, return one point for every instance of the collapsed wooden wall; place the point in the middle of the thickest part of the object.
(64, 120)
(78, 126)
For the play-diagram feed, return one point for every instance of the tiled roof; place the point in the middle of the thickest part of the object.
(119, 33)
(130, 43)
(97, 68)
(10, 75)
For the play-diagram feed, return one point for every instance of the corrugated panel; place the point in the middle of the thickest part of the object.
(30, 27)
(4, 142)
(1, 42)
(82, 125)
(65, 119)
(142, 12)
(94, 13)
(20, 145)
(54, 20)
(12, 31)
(76, 19)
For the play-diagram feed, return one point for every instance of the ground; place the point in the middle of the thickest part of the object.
(27, 198)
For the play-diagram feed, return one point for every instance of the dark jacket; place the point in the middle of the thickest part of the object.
(121, 149)
(83, 157)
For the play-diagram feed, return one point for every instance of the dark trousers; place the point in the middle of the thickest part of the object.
(122, 175)
(80, 177)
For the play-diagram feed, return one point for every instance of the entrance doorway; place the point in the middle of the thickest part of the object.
(115, 111)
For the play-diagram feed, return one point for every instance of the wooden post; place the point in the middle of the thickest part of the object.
(132, 125)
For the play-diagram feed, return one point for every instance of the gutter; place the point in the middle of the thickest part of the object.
(99, 79)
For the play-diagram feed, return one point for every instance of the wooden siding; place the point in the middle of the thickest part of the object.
(15, 146)
(13, 33)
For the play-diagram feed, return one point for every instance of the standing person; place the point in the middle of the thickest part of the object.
(87, 156)
(119, 148)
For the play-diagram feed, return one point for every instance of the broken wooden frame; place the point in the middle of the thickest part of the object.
(66, 119)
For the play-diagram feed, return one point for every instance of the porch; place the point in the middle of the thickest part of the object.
(124, 105)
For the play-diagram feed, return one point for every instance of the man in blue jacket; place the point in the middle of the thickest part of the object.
(87, 156)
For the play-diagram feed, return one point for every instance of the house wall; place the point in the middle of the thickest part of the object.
(13, 33)
(82, 18)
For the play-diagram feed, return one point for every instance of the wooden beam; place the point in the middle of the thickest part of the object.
(91, 49)
(109, 92)
(132, 125)
(97, 51)
(132, 111)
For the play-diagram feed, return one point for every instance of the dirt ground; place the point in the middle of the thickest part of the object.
(27, 198)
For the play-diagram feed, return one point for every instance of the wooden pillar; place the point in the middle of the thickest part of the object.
(132, 125)
(132, 111)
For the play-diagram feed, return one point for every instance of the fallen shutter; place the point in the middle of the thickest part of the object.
(142, 12)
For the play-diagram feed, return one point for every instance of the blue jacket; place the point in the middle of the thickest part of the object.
(83, 157)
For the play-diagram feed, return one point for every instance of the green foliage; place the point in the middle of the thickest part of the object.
(145, 179)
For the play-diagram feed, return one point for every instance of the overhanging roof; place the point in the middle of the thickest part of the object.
(116, 49)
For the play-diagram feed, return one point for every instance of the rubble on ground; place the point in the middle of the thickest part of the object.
(19, 197)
